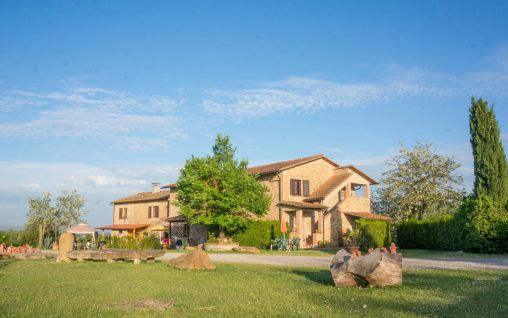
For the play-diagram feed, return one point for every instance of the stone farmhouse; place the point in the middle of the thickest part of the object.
(319, 199)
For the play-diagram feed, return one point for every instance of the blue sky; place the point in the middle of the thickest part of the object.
(106, 97)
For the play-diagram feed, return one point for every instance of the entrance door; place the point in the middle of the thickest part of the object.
(308, 227)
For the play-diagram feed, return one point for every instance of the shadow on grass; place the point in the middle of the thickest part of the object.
(322, 276)
(480, 296)
(6, 262)
(436, 293)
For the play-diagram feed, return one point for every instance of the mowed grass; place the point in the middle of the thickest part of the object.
(97, 289)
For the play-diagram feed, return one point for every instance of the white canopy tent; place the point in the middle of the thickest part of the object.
(83, 229)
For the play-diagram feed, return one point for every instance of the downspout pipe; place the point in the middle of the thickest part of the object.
(280, 196)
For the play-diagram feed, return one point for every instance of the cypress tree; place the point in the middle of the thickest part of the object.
(490, 167)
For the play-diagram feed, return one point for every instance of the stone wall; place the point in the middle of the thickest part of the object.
(316, 172)
(137, 213)
(271, 181)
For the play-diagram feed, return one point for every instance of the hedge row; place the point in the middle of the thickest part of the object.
(373, 233)
(259, 234)
(479, 227)
(443, 233)
(132, 243)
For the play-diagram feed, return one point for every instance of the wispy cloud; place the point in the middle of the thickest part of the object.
(34, 177)
(99, 184)
(128, 120)
(306, 95)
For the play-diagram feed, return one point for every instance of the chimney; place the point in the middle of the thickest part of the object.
(155, 187)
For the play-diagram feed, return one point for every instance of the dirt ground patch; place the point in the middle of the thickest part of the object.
(147, 304)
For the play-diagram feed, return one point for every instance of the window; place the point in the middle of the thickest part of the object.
(122, 213)
(342, 194)
(359, 190)
(153, 212)
(306, 188)
(299, 187)
(295, 187)
(292, 222)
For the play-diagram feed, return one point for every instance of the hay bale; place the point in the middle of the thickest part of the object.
(65, 245)
(195, 260)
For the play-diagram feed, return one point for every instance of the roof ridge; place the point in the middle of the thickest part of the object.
(281, 165)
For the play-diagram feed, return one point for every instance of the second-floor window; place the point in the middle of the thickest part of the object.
(295, 187)
(153, 212)
(122, 213)
(299, 187)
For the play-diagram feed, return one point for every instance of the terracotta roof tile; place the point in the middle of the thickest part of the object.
(278, 166)
(177, 218)
(369, 215)
(363, 174)
(324, 189)
(144, 196)
(275, 167)
(304, 205)
(123, 227)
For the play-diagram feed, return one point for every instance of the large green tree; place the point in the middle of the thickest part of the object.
(67, 211)
(218, 191)
(490, 168)
(41, 213)
(419, 184)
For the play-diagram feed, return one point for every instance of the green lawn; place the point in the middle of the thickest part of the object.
(88, 289)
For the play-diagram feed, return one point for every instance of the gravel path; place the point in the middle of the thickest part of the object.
(320, 261)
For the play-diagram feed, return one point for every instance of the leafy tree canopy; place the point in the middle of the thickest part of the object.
(67, 211)
(218, 190)
(419, 184)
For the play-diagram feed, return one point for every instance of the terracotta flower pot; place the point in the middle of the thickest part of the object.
(353, 249)
(54, 247)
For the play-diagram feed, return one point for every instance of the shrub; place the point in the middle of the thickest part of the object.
(212, 238)
(502, 234)
(440, 233)
(322, 244)
(483, 225)
(373, 233)
(259, 234)
(149, 242)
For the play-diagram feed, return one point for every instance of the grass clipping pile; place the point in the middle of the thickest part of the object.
(195, 260)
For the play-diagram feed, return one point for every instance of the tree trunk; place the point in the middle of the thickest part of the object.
(222, 236)
(377, 269)
(42, 230)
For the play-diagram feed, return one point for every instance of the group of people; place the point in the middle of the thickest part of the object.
(11, 249)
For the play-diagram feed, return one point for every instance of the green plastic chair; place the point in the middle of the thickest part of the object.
(284, 244)
(296, 243)
(274, 243)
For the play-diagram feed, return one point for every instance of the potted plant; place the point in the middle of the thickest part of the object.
(54, 246)
(351, 241)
